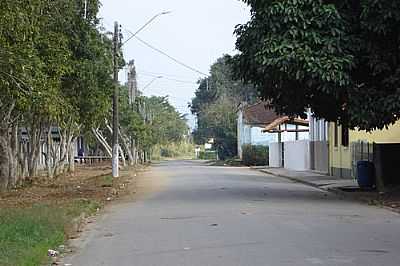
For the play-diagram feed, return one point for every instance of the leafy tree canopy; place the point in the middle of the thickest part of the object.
(151, 120)
(55, 63)
(340, 58)
(215, 106)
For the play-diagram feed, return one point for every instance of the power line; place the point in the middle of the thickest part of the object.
(167, 55)
(165, 75)
(162, 94)
(167, 78)
(170, 57)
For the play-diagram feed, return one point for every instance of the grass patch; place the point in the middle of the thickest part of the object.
(107, 181)
(27, 233)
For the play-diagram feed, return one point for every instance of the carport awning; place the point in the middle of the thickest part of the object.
(275, 126)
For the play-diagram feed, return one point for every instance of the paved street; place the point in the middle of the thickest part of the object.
(205, 216)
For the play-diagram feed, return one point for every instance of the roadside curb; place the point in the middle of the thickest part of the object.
(335, 191)
(297, 180)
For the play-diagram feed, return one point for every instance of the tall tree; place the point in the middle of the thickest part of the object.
(341, 58)
(215, 106)
(55, 67)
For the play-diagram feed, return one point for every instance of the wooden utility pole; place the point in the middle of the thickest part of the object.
(115, 154)
(132, 87)
(132, 82)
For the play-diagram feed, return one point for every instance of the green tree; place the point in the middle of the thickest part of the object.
(341, 58)
(215, 105)
(55, 71)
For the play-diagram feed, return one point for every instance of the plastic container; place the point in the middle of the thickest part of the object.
(365, 174)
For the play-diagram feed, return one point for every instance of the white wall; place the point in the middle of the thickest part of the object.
(318, 128)
(297, 155)
(319, 156)
(275, 154)
(240, 133)
(258, 137)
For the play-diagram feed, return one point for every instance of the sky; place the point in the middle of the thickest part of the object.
(196, 33)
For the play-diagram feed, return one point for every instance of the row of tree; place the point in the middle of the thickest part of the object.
(56, 65)
(339, 57)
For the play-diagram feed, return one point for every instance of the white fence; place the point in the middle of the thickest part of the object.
(275, 154)
(297, 155)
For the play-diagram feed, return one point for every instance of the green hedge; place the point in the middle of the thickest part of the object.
(255, 155)
(208, 155)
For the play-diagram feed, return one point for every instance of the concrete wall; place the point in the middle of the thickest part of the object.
(275, 154)
(387, 163)
(244, 134)
(240, 133)
(319, 156)
(390, 135)
(318, 129)
(340, 163)
(340, 157)
(297, 155)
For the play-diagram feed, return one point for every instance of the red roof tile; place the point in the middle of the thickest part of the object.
(259, 114)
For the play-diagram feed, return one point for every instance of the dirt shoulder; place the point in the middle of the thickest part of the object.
(88, 182)
(42, 216)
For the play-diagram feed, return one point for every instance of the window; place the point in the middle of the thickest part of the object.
(336, 135)
(345, 136)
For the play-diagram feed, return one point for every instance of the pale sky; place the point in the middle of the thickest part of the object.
(197, 32)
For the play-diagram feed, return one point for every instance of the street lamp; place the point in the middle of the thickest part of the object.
(117, 44)
(147, 23)
(151, 82)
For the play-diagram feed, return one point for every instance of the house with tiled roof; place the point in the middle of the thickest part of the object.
(253, 120)
(294, 143)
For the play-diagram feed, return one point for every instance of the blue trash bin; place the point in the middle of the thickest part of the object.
(365, 174)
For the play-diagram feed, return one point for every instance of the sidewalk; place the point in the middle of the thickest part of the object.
(314, 179)
(347, 188)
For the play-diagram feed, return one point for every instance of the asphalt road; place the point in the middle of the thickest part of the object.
(204, 216)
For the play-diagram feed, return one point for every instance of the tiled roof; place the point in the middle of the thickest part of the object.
(259, 114)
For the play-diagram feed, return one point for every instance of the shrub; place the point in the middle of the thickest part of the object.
(208, 155)
(255, 155)
(173, 150)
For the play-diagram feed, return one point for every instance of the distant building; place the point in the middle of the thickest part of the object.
(252, 119)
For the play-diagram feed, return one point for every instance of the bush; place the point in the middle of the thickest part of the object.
(255, 155)
(208, 155)
(173, 150)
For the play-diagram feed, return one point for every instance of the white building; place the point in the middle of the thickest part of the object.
(252, 119)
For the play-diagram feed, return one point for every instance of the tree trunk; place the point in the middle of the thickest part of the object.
(23, 161)
(49, 143)
(34, 133)
(133, 150)
(124, 141)
(102, 141)
(13, 158)
(121, 151)
(4, 159)
(71, 157)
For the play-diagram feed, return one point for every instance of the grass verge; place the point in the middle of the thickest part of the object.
(27, 233)
(228, 162)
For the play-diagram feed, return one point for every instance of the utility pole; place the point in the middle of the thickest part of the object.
(132, 82)
(86, 4)
(117, 43)
(115, 154)
(132, 87)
